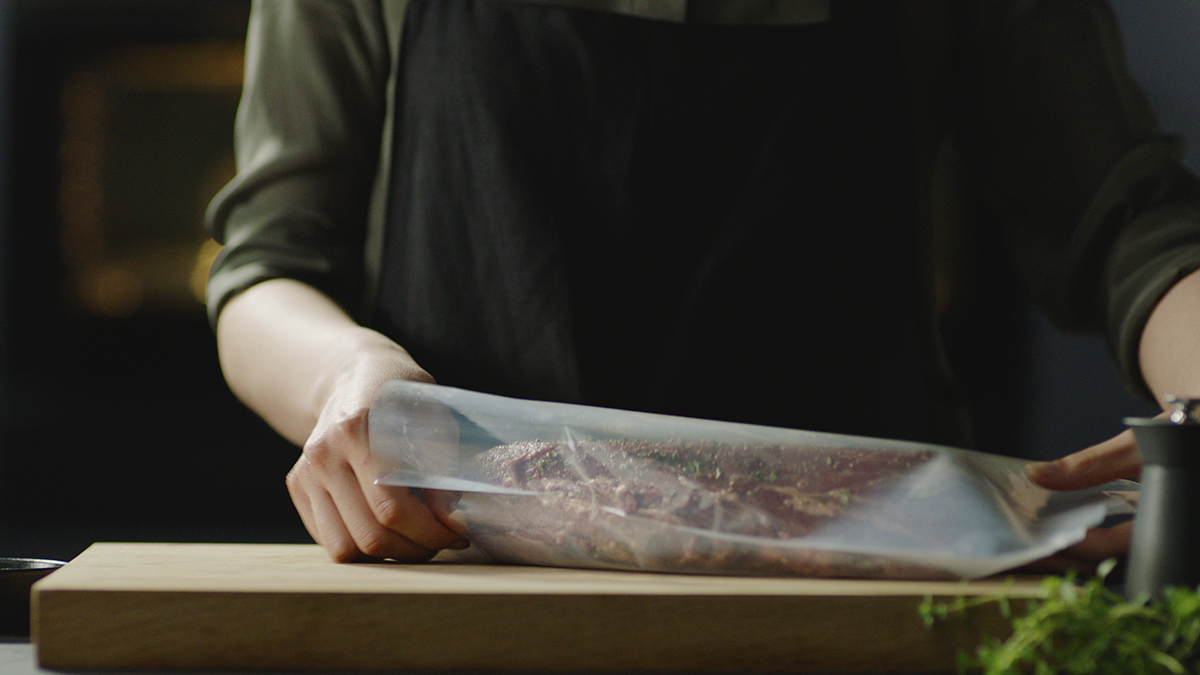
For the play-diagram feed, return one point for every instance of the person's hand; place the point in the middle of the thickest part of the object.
(296, 358)
(1111, 460)
(333, 483)
(1100, 544)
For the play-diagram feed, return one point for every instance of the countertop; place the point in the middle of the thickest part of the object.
(17, 658)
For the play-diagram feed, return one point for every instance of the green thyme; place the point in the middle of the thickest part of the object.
(1086, 627)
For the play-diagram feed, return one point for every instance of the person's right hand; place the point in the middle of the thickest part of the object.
(333, 483)
(297, 359)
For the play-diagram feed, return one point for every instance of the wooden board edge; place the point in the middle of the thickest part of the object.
(362, 632)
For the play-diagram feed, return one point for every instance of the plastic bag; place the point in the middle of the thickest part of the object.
(591, 487)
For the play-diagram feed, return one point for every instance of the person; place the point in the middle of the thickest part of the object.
(714, 209)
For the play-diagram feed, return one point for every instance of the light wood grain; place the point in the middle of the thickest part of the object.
(247, 607)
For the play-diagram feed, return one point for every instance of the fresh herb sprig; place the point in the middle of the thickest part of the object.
(1087, 628)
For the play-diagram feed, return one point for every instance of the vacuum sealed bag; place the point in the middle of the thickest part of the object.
(577, 486)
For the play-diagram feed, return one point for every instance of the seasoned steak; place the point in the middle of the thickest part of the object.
(683, 506)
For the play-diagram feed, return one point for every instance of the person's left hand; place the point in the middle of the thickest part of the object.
(1111, 460)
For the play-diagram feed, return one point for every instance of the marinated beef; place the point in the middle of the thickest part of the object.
(685, 506)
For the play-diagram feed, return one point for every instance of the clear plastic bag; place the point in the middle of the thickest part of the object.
(567, 485)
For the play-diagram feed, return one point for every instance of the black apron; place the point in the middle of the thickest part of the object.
(706, 220)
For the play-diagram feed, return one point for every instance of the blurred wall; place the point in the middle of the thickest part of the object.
(1163, 43)
(118, 425)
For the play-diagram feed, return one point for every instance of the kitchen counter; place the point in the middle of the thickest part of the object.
(17, 658)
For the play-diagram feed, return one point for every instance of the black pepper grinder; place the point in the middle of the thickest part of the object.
(1166, 533)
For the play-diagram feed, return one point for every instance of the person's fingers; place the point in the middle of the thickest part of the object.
(1060, 564)
(347, 524)
(300, 498)
(400, 510)
(387, 520)
(367, 535)
(1102, 543)
(1113, 459)
(444, 506)
(343, 525)
(319, 514)
(331, 533)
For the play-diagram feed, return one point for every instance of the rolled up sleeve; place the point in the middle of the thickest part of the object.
(307, 139)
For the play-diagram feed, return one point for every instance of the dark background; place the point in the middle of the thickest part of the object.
(115, 424)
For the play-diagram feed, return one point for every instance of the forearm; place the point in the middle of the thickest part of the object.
(283, 347)
(1169, 352)
(1169, 357)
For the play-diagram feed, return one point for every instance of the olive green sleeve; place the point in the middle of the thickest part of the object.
(1064, 148)
(308, 139)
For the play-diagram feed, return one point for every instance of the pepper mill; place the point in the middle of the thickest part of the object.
(1166, 532)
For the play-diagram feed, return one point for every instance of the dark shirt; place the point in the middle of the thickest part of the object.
(763, 254)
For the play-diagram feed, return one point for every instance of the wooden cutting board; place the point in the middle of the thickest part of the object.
(262, 607)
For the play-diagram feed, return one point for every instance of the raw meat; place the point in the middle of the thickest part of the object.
(685, 506)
